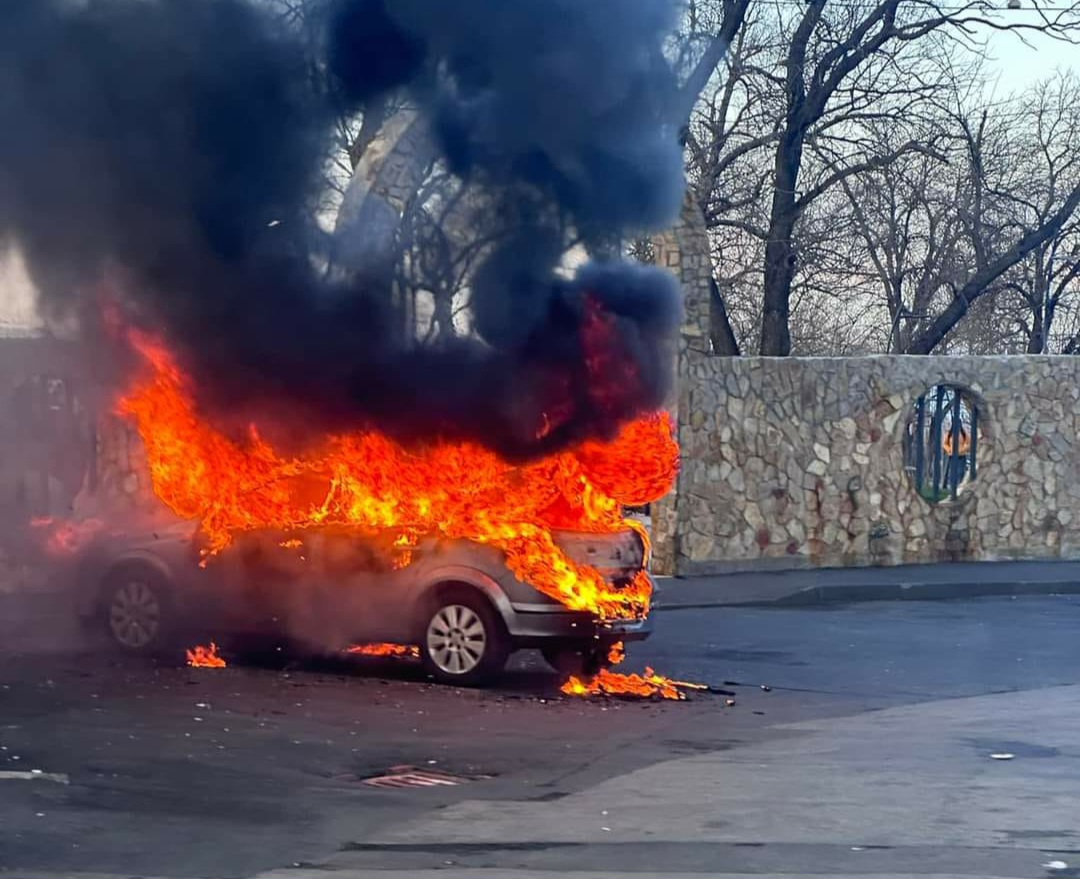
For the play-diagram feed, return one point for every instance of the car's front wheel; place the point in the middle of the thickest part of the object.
(464, 640)
(136, 609)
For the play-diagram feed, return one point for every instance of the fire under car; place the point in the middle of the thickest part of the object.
(322, 590)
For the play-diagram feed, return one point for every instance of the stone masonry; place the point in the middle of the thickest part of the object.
(795, 462)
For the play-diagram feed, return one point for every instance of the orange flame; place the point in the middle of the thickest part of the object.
(610, 683)
(616, 653)
(205, 657)
(368, 481)
(395, 650)
(66, 536)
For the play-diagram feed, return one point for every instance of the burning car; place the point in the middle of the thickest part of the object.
(446, 544)
(328, 588)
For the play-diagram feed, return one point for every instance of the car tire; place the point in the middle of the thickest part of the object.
(463, 640)
(136, 610)
(579, 660)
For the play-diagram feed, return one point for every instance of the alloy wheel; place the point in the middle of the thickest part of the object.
(134, 614)
(456, 639)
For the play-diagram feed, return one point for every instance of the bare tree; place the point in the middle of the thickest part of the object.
(735, 117)
(856, 44)
(1049, 155)
(904, 215)
(1019, 209)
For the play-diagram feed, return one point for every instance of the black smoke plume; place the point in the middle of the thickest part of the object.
(171, 151)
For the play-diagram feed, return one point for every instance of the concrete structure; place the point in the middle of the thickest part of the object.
(795, 462)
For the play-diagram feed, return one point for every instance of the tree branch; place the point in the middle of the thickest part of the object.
(734, 13)
(978, 283)
(861, 167)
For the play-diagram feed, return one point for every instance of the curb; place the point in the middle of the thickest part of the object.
(811, 596)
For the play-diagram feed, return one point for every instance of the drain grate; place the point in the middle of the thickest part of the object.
(411, 776)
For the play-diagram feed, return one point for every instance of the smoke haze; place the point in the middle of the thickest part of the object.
(168, 155)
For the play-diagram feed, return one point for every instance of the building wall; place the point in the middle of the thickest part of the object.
(797, 462)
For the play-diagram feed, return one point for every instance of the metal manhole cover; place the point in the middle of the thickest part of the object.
(411, 776)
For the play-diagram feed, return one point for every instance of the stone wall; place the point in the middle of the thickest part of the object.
(796, 462)
(684, 251)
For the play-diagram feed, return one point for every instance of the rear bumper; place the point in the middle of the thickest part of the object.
(535, 625)
(539, 629)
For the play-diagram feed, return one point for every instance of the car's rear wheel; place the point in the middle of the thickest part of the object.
(136, 609)
(464, 641)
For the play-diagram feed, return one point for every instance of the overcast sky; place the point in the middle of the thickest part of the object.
(1018, 66)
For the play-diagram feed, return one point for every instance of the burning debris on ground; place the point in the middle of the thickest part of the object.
(395, 651)
(205, 657)
(647, 685)
(607, 683)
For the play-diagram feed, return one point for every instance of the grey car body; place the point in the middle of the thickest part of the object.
(327, 589)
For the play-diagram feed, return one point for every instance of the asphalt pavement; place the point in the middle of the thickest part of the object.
(889, 739)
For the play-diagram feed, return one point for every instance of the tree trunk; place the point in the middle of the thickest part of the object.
(444, 313)
(1037, 338)
(721, 334)
(780, 249)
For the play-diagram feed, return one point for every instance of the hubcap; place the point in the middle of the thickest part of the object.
(135, 614)
(456, 639)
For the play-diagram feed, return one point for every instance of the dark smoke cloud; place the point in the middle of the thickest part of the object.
(573, 97)
(171, 150)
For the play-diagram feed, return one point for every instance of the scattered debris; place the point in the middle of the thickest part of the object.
(1055, 865)
(1002, 756)
(766, 688)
